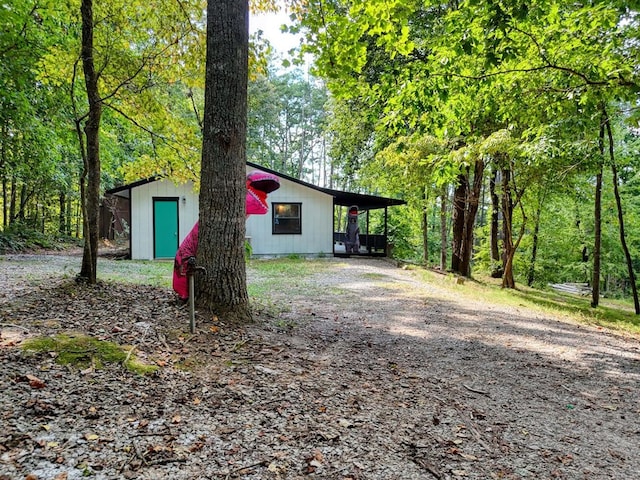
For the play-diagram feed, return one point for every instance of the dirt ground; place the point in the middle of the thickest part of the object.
(360, 371)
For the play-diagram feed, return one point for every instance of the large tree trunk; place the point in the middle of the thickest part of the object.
(465, 204)
(623, 238)
(597, 218)
(91, 198)
(223, 288)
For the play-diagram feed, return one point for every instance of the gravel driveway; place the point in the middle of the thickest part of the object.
(359, 371)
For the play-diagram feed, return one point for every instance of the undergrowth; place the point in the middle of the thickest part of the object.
(19, 238)
(84, 351)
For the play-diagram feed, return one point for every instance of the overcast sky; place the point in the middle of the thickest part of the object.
(270, 25)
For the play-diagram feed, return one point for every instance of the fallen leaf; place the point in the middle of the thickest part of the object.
(91, 437)
(61, 476)
(343, 422)
(35, 382)
(176, 419)
(466, 456)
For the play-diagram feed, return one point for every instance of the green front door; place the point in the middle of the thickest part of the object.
(165, 227)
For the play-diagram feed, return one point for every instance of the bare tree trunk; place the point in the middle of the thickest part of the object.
(13, 200)
(91, 198)
(597, 218)
(62, 228)
(459, 196)
(623, 240)
(472, 202)
(223, 289)
(424, 223)
(3, 171)
(507, 223)
(444, 200)
(531, 274)
(497, 267)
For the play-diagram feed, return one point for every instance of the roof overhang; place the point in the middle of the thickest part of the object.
(363, 201)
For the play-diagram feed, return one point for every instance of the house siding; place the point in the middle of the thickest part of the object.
(317, 223)
(142, 214)
(317, 219)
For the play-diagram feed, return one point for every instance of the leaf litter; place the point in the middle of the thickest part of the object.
(367, 373)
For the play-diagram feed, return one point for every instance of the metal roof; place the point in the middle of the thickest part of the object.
(363, 201)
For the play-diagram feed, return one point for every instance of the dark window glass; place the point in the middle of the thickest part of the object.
(287, 218)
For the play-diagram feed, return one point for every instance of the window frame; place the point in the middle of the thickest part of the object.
(274, 206)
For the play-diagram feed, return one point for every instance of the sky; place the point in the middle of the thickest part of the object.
(270, 25)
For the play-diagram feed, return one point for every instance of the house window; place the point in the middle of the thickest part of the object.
(287, 218)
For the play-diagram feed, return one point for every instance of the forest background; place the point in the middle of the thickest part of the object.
(511, 128)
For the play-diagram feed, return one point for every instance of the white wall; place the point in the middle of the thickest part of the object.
(317, 219)
(142, 214)
(317, 223)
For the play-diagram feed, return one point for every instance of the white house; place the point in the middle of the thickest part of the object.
(300, 219)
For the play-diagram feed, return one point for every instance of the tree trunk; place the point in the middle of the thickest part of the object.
(3, 170)
(443, 227)
(597, 218)
(68, 220)
(62, 227)
(223, 288)
(531, 274)
(507, 223)
(13, 200)
(91, 198)
(472, 202)
(623, 239)
(424, 223)
(497, 268)
(459, 196)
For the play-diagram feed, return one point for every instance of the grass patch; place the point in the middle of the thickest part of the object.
(83, 351)
(375, 276)
(157, 273)
(282, 276)
(613, 314)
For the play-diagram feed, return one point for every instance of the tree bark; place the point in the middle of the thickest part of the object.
(457, 240)
(443, 227)
(531, 274)
(222, 290)
(497, 267)
(623, 238)
(507, 223)
(62, 216)
(91, 197)
(472, 202)
(3, 171)
(597, 219)
(424, 223)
